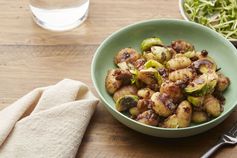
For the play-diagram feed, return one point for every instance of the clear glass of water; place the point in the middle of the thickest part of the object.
(59, 15)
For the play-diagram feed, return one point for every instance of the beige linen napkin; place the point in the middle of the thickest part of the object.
(47, 122)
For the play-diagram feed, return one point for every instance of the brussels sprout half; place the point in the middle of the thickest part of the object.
(196, 88)
(149, 42)
(126, 90)
(126, 102)
(205, 65)
(154, 64)
(202, 85)
(196, 101)
(162, 54)
(134, 112)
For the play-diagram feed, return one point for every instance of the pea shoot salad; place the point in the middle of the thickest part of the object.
(219, 15)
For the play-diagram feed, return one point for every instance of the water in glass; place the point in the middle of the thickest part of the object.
(59, 15)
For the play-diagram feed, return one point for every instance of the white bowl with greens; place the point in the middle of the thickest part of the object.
(219, 15)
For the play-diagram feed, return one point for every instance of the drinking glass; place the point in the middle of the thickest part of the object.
(59, 15)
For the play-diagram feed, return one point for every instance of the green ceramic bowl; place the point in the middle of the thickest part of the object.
(202, 37)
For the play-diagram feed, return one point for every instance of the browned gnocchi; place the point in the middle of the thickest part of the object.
(181, 74)
(181, 118)
(171, 86)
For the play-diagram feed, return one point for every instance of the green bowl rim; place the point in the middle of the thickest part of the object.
(107, 105)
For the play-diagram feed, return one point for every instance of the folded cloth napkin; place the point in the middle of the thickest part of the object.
(47, 122)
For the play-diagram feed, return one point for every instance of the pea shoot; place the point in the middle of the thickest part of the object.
(219, 15)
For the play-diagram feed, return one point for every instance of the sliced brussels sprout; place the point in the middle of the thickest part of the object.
(197, 87)
(126, 90)
(202, 85)
(205, 65)
(134, 112)
(222, 83)
(126, 102)
(154, 64)
(212, 106)
(127, 55)
(196, 101)
(149, 42)
(181, 46)
(150, 76)
(148, 117)
(199, 117)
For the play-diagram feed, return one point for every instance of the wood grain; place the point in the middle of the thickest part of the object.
(105, 17)
(31, 57)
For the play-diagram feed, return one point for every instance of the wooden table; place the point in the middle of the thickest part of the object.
(31, 57)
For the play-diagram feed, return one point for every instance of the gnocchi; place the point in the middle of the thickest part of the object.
(182, 118)
(181, 74)
(167, 86)
(178, 63)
